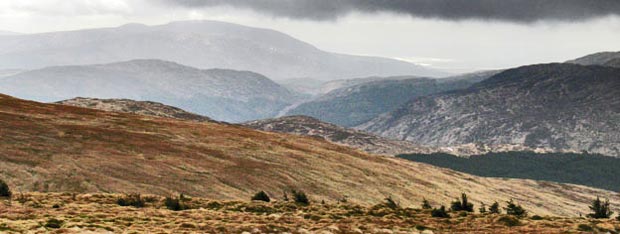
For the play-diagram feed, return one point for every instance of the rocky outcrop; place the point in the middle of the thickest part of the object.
(135, 107)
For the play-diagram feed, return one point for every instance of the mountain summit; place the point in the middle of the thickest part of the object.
(201, 44)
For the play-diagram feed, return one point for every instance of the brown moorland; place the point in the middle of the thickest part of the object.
(99, 213)
(57, 148)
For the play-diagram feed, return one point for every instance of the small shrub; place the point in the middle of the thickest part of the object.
(390, 203)
(462, 205)
(537, 217)
(214, 205)
(261, 196)
(151, 199)
(132, 199)
(56, 206)
(5, 191)
(483, 208)
(509, 221)
(514, 209)
(175, 204)
(494, 208)
(300, 197)
(426, 205)
(440, 213)
(54, 223)
(285, 197)
(600, 209)
(22, 198)
(585, 228)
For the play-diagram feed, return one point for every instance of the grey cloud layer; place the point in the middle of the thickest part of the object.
(505, 10)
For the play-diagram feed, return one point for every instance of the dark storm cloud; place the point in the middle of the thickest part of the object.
(505, 10)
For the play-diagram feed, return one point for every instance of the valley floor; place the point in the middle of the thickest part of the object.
(99, 213)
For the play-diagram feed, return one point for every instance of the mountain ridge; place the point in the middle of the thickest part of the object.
(224, 95)
(201, 44)
(354, 102)
(557, 106)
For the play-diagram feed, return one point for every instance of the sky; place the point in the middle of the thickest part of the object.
(452, 35)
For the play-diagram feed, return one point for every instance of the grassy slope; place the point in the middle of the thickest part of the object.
(98, 213)
(48, 147)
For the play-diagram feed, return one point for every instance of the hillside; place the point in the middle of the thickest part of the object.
(50, 147)
(201, 44)
(99, 213)
(135, 107)
(613, 63)
(308, 126)
(224, 95)
(589, 170)
(596, 59)
(358, 101)
(564, 107)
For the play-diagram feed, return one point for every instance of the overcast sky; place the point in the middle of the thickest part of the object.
(455, 35)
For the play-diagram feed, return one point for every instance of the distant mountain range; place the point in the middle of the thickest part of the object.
(8, 33)
(9, 72)
(353, 102)
(224, 95)
(557, 106)
(201, 44)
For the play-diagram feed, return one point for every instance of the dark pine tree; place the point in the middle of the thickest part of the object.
(462, 205)
(514, 209)
(494, 208)
(600, 209)
(426, 205)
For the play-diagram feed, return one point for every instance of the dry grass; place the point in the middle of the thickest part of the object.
(56, 148)
(98, 213)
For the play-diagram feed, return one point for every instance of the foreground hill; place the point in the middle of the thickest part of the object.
(299, 125)
(49, 147)
(224, 95)
(564, 107)
(135, 107)
(201, 44)
(99, 213)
